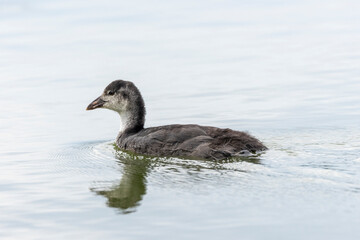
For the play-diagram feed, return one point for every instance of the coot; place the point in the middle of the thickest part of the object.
(187, 141)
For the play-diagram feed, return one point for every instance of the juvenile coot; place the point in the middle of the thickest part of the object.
(189, 141)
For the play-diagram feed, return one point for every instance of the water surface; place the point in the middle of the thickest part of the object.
(286, 72)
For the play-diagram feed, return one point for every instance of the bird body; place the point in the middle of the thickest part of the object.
(188, 141)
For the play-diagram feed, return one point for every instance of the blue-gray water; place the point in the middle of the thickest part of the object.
(286, 71)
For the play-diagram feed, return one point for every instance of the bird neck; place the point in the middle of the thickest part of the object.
(132, 121)
(133, 118)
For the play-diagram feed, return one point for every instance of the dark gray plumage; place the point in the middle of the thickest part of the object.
(189, 141)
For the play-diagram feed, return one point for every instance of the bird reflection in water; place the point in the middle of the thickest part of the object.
(128, 193)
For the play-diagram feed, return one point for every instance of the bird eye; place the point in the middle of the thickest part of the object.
(110, 93)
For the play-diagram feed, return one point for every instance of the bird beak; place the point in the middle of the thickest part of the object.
(97, 103)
